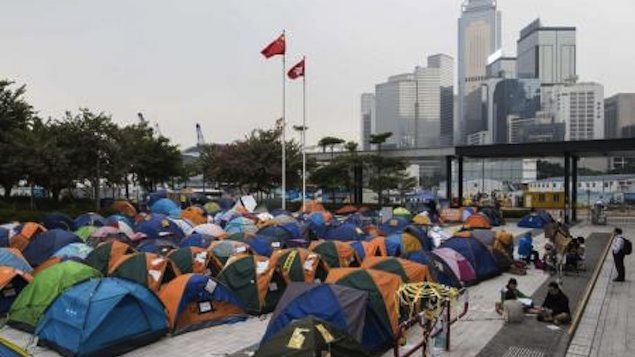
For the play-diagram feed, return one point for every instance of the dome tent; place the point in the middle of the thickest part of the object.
(36, 297)
(106, 316)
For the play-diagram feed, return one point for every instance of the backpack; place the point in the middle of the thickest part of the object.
(628, 247)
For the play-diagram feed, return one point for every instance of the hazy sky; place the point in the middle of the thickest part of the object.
(183, 62)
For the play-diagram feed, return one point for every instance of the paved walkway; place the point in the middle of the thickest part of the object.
(469, 336)
(607, 327)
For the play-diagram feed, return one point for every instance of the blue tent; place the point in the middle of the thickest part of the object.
(159, 226)
(477, 254)
(317, 224)
(344, 232)
(341, 306)
(156, 246)
(10, 349)
(7, 258)
(116, 218)
(439, 269)
(167, 207)
(45, 244)
(4, 237)
(58, 220)
(89, 219)
(285, 231)
(533, 220)
(108, 316)
(226, 203)
(264, 245)
(394, 225)
(196, 240)
(74, 250)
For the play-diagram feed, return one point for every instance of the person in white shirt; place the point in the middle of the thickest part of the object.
(618, 253)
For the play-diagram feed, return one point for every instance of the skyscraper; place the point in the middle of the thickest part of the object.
(418, 107)
(479, 37)
(619, 113)
(580, 106)
(445, 64)
(547, 53)
(368, 120)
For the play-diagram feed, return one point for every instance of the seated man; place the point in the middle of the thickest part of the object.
(511, 292)
(556, 306)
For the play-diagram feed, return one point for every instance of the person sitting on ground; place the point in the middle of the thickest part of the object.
(556, 306)
(511, 292)
(526, 250)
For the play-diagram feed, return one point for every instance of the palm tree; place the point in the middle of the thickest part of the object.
(379, 139)
(331, 142)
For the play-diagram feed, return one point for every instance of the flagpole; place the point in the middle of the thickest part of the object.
(284, 127)
(304, 132)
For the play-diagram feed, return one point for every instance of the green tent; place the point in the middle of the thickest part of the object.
(311, 337)
(256, 283)
(30, 304)
(85, 232)
(106, 255)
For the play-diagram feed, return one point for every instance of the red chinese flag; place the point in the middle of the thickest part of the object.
(297, 70)
(276, 47)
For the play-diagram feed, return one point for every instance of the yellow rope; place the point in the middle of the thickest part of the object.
(433, 294)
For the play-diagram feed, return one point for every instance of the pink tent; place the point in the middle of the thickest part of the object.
(459, 265)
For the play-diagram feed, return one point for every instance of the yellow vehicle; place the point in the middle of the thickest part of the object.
(546, 200)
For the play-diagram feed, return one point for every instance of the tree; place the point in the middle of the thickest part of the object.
(254, 164)
(379, 139)
(389, 173)
(331, 142)
(351, 146)
(15, 115)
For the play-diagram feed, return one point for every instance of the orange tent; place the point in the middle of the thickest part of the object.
(375, 247)
(381, 288)
(148, 269)
(336, 254)
(22, 239)
(409, 271)
(313, 206)
(194, 214)
(107, 254)
(191, 260)
(12, 281)
(477, 221)
(195, 301)
(348, 209)
(124, 207)
(452, 215)
(298, 264)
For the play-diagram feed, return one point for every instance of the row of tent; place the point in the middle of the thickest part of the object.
(243, 260)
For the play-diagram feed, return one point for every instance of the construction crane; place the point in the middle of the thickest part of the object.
(200, 140)
(143, 120)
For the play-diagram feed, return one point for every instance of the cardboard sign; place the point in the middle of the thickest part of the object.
(249, 202)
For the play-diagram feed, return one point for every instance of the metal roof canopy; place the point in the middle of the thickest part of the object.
(586, 148)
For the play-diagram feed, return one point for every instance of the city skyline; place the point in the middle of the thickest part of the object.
(200, 64)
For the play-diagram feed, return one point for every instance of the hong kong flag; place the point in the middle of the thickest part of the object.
(297, 70)
(276, 47)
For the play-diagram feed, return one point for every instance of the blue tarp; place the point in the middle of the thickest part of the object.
(102, 316)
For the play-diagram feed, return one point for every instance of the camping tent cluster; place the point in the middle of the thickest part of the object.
(173, 270)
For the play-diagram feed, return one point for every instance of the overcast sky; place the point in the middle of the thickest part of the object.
(183, 62)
